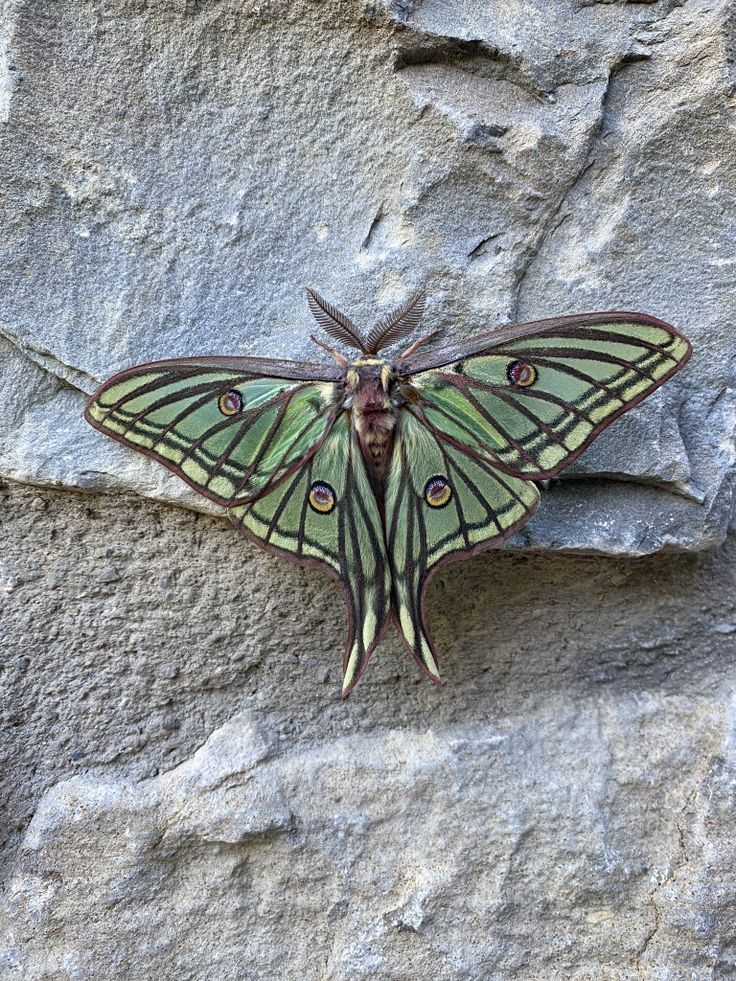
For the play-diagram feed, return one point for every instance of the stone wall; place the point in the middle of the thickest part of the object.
(183, 793)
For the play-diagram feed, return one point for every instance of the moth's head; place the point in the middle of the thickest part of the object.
(369, 373)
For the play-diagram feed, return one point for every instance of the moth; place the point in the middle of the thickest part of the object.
(380, 471)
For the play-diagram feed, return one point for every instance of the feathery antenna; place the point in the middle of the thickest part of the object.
(334, 322)
(398, 324)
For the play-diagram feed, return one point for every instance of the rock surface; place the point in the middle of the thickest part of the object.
(182, 794)
(174, 173)
(185, 794)
(431, 839)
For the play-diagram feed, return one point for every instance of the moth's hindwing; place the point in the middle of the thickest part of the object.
(533, 399)
(442, 503)
(227, 432)
(325, 514)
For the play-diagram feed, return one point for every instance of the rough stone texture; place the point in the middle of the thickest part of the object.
(175, 171)
(563, 807)
(183, 795)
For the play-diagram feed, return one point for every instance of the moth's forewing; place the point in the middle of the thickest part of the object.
(229, 427)
(530, 398)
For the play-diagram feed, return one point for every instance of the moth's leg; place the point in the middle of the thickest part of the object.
(340, 358)
(419, 343)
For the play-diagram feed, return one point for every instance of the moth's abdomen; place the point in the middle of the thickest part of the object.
(375, 430)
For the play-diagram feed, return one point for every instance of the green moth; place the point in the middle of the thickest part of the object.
(381, 471)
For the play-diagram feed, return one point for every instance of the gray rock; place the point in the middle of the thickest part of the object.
(561, 808)
(172, 196)
(182, 794)
(383, 855)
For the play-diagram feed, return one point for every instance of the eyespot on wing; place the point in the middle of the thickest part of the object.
(230, 402)
(437, 491)
(322, 498)
(522, 374)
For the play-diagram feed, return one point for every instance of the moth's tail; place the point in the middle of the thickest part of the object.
(409, 619)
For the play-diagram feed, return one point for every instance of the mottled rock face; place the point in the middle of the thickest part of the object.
(185, 792)
(182, 791)
(175, 172)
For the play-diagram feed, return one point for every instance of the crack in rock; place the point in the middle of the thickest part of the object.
(51, 363)
(678, 864)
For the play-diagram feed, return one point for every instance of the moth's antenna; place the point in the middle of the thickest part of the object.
(334, 322)
(402, 322)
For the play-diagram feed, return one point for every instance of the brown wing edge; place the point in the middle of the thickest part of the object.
(266, 367)
(312, 563)
(458, 556)
(488, 340)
